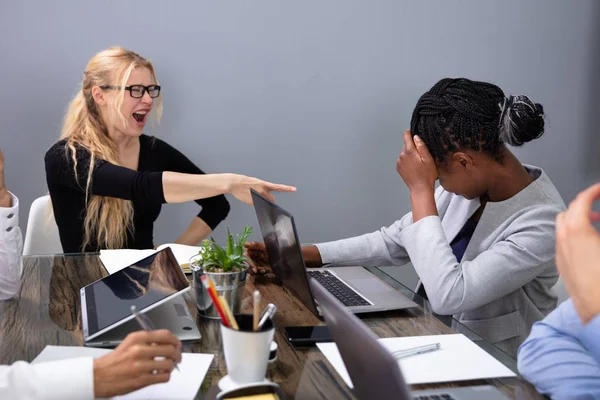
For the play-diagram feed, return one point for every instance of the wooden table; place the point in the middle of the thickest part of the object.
(46, 311)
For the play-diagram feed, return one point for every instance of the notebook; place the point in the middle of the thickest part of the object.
(115, 260)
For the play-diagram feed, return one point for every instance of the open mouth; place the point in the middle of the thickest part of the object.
(140, 116)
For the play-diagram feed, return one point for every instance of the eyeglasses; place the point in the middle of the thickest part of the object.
(137, 91)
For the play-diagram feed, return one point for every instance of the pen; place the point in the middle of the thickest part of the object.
(256, 299)
(267, 314)
(145, 323)
(416, 350)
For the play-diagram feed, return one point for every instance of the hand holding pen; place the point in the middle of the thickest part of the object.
(145, 323)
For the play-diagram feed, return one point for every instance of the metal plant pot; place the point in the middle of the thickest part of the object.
(227, 284)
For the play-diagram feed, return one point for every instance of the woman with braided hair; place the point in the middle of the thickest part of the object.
(483, 242)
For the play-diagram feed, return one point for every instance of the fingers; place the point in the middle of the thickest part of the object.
(408, 141)
(276, 187)
(255, 246)
(256, 253)
(141, 353)
(251, 265)
(161, 336)
(166, 351)
(580, 209)
(156, 366)
(422, 149)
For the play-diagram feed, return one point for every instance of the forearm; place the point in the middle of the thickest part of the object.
(423, 203)
(554, 358)
(382, 247)
(64, 380)
(180, 188)
(195, 233)
(312, 256)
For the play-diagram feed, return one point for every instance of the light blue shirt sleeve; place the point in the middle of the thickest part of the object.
(561, 356)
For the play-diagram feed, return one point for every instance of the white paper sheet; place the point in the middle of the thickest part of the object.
(458, 359)
(184, 384)
(115, 260)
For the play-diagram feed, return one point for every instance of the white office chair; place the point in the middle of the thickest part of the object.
(42, 233)
(559, 289)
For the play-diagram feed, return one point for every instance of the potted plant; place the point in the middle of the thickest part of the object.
(226, 267)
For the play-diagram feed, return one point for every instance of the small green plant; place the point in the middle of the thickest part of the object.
(218, 259)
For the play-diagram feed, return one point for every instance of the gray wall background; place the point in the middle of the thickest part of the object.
(310, 93)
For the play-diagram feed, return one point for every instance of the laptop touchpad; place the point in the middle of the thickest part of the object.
(369, 285)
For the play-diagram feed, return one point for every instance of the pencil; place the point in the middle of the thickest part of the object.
(256, 298)
(206, 282)
(229, 313)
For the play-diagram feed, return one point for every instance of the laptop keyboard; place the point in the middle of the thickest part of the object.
(339, 289)
(443, 396)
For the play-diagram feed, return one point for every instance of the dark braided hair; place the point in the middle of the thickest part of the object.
(460, 113)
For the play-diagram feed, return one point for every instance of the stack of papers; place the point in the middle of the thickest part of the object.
(458, 359)
(115, 260)
(184, 384)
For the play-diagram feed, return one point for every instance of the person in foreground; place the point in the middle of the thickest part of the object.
(134, 364)
(483, 242)
(561, 356)
(107, 180)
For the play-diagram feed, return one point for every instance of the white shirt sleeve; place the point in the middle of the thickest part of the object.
(55, 380)
(65, 379)
(11, 248)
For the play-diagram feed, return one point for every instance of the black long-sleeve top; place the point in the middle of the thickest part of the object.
(143, 187)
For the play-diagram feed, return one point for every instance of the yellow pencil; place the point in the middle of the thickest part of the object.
(229, 313)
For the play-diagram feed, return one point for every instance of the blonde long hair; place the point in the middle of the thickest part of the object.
(107, 219)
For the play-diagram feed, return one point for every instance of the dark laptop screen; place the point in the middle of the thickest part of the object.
(142, 284)
(283, 248)
(374, 372)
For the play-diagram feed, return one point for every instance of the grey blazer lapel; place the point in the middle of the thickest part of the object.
(457, 213)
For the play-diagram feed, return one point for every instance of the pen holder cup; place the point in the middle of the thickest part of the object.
(247, 351)
(227, 284)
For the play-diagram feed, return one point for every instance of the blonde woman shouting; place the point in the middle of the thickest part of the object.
(107, 180)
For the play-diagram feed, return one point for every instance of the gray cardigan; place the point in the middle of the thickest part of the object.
(504, 281)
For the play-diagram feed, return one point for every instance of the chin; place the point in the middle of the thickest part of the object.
(135, 133)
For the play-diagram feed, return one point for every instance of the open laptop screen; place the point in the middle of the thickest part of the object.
(374, 372)
(283, 248)
(148, 282)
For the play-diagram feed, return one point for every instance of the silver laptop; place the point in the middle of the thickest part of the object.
(374, 372)
(356, 287)
(154, 285)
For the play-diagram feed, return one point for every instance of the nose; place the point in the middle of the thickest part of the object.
(146, 99)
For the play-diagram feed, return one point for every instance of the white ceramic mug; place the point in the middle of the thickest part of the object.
(246, 351)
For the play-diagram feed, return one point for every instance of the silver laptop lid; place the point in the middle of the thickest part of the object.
(374, 372)
(147, 283)
(283, 248)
